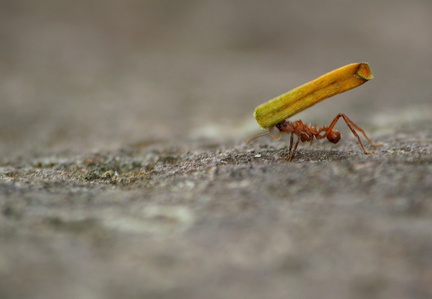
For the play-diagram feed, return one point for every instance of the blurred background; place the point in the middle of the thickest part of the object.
(102, 74)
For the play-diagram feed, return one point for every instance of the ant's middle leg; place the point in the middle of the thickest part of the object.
(353, 127)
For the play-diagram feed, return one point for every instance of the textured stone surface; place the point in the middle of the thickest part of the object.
(123, 172)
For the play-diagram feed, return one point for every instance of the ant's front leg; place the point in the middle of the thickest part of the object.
(292, 150)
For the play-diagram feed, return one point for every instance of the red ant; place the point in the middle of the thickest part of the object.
(307, 132)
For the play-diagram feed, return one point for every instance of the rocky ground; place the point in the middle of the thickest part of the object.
(123, 167)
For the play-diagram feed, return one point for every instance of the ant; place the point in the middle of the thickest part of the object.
(307, 132)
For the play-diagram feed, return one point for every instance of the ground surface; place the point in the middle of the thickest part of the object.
(123, 168)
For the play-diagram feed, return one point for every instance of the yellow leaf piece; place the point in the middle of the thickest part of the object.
(292, 102)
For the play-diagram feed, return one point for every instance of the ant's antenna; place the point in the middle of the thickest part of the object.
(276, 135)
(257, 136)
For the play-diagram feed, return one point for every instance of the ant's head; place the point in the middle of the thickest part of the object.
(334, 136)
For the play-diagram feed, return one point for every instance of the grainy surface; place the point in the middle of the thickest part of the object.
(123, 172)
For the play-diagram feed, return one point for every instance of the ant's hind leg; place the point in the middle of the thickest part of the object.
(347, 120)
(353, 128)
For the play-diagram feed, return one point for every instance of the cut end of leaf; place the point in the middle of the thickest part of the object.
(364, 71)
